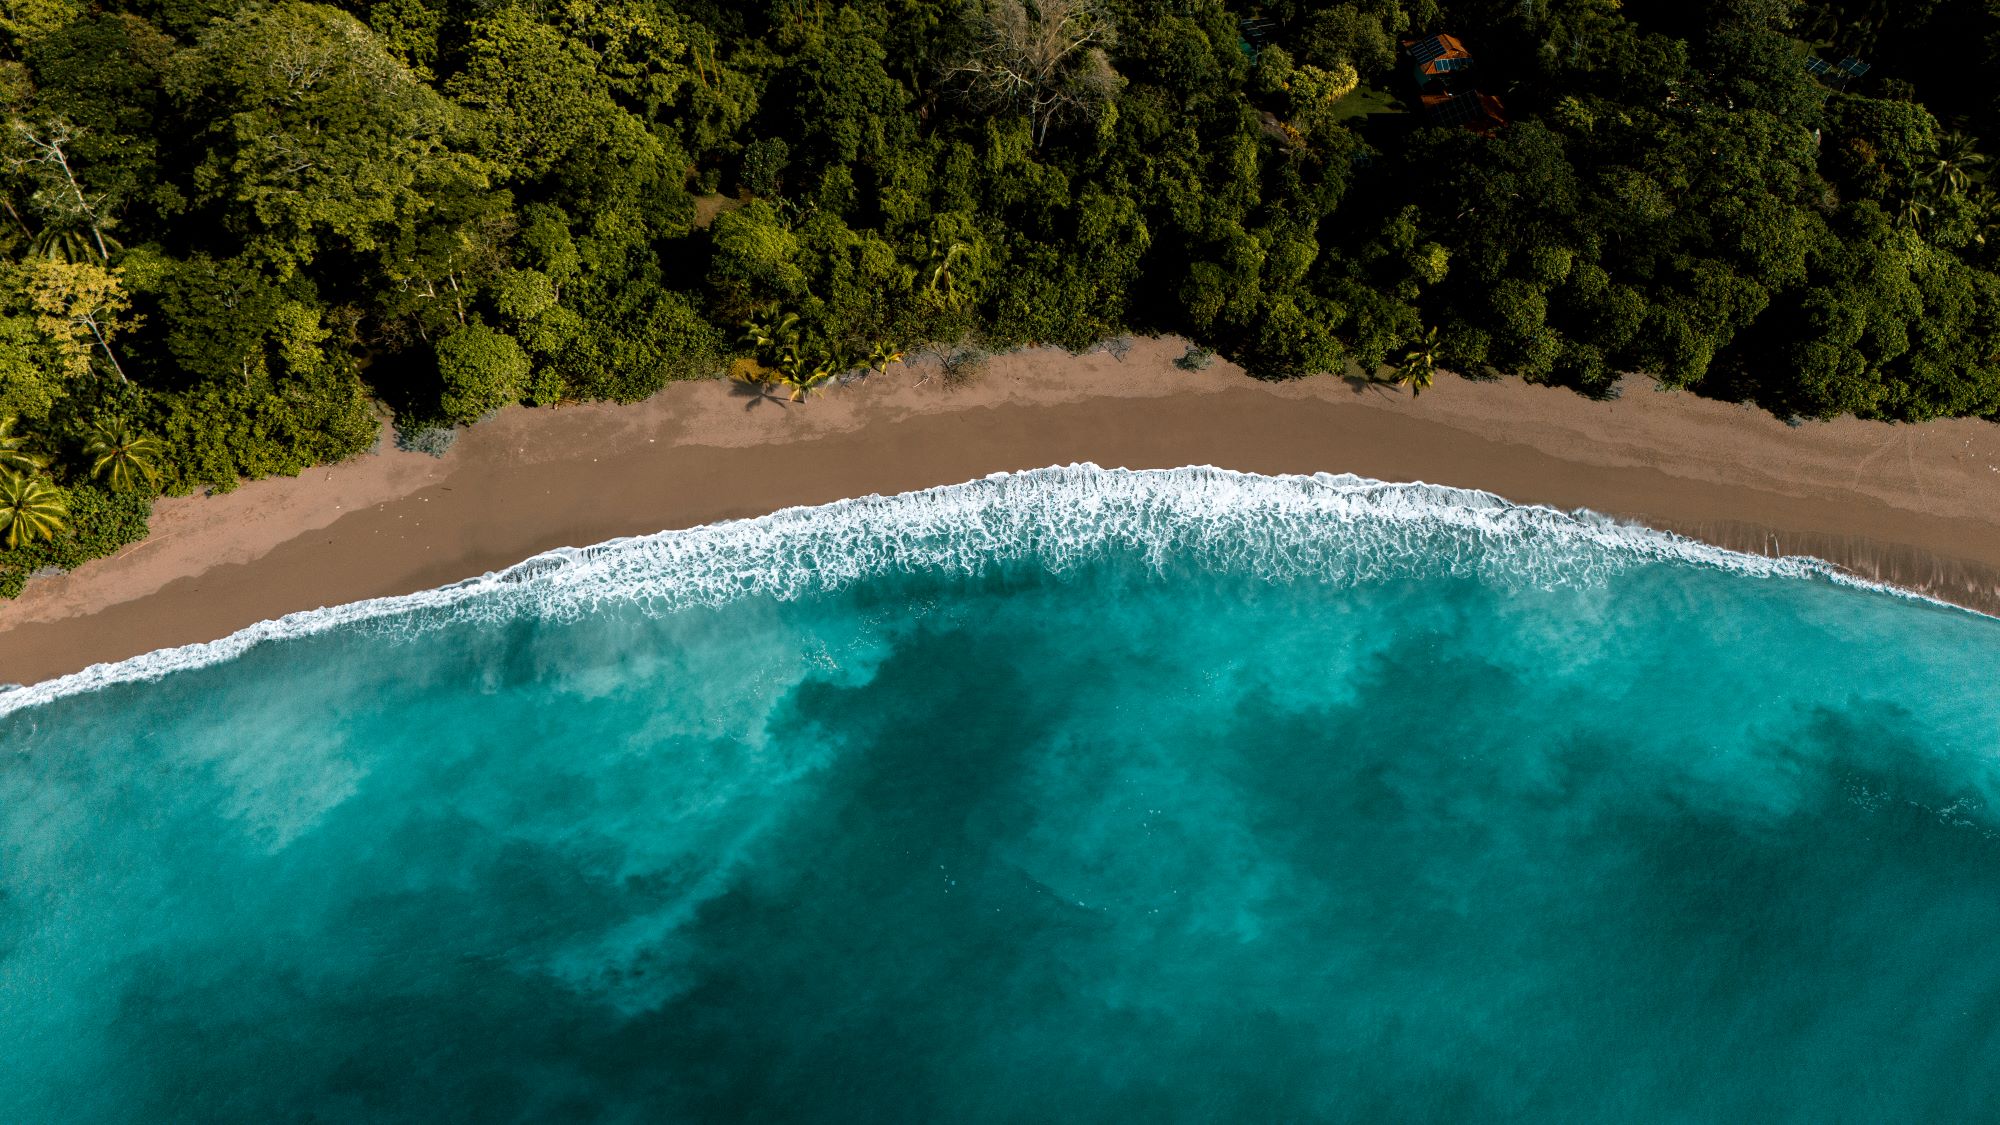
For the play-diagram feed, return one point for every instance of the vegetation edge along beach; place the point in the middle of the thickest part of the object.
(241, 235)
(532, 480)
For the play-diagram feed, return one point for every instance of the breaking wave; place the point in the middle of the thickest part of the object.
(1339, 528)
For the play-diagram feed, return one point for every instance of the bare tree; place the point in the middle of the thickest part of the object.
(1043, 57)
(67, 202)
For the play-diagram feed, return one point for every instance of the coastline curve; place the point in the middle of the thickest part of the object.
(1277, 527)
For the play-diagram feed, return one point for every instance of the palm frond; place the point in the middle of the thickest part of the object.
(31, 508)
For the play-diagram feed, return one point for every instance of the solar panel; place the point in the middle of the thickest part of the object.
(1853, 68)
(1428, 49)
(1818, 66)
(1443, 65)
(1471, 109)
(1455, 111)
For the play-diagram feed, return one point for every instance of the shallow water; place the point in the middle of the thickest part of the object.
(1074, 794)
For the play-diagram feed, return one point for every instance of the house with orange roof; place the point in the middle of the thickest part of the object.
(1445, 74)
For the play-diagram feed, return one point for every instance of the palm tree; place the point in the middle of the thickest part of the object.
(1419, 363)
(792, 372)
(14, 455)
(1914, 210)
(882, 355)
(790, 362)
(944, 254)
(62, 244)
(830, 365)
(1954, 160)
(122, 454)
(30, 508)
(772, 334)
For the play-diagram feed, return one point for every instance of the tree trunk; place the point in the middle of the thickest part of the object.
(108, 353)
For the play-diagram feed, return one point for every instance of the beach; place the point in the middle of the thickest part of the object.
(1907, 505)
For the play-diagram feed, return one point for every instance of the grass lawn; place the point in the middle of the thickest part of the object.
(1367, 101)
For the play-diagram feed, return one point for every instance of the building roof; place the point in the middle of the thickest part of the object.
(1450, 72)
(1444, 73)
(1481, 113)
(1422, 51)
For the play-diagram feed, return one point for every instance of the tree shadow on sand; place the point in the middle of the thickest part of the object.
(757, 392)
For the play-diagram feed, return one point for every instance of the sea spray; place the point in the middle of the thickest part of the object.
(1335, 528)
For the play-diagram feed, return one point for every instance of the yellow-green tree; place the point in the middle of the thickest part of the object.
(31, 508)
(80, 308)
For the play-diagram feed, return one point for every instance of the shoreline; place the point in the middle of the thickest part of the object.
(1912, 506)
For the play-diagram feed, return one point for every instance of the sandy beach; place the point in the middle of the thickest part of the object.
(1909, 505)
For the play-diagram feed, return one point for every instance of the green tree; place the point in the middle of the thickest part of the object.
(1345, 35)
(543, 105)
(25, 21)
(764, 164)
(483, 370)
(437, 269)
(643, 52)
(1314, 94)
(755, 260)
(535, 95)
(312, 133)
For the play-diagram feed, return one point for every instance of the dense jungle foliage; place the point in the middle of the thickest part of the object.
(235, 232)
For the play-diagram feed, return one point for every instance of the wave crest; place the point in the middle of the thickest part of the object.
(1337, 528)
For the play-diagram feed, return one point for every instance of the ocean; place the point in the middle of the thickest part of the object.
(1065, 795)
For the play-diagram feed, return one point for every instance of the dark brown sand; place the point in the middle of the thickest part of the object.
(1909, 505)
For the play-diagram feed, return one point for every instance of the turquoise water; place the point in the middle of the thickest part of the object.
(1071, 795)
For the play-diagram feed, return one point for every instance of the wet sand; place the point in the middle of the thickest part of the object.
(1916, 506)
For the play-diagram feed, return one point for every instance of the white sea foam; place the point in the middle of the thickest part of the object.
(1337, 528)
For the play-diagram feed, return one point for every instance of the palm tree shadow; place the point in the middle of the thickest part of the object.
(1362, 384)
(757, 393)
